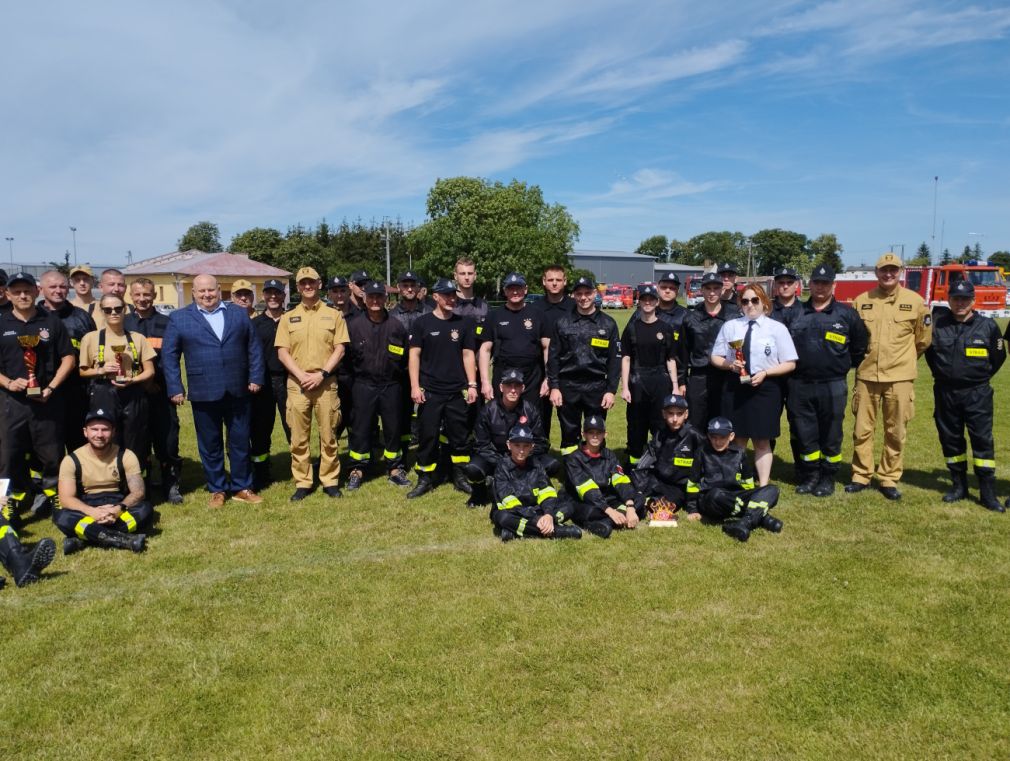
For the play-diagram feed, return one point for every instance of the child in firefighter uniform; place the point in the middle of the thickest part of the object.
(526, 504)
(594, 477)
(664, 470)
(721, 487)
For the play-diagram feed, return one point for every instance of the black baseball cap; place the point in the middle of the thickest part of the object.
(512, 376)
(963, 288)
(274, 283)
(786, 273)
(824, 273)
(711, 277)
(675, 400)
(374, 286)
(728, 267)
(584, 282)
(595, 423)
(359, 277)
(669, 277)
(21, 277)
(648, 289)
(337, 282)
(408, 276)
(720, 426)
(514, 278)
(522, 433)
(99, 414)
(444, 286)
(3, 277)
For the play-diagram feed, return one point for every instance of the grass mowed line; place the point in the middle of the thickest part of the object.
(374, 627)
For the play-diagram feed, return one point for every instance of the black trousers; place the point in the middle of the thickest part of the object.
(649, 386)
(408, 416)
(523, 520)
(132, 417)
(164, 437)
(75, 402)
(816, 412)
(32, 430)
(74, 523)
(721, 504)
(372, 401)
(267, 405)
(580, 402)
(442, 412)
(345, 390)
(704, 396)
(955, 409)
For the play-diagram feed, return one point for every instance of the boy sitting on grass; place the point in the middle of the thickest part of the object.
(663, 472)
(595, 478)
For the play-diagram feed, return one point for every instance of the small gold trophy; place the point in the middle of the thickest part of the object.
(737, 346)
(118, 350)
(28, 344)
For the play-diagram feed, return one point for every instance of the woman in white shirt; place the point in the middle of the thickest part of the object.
(763, 354)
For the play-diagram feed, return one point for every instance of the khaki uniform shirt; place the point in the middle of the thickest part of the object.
(310, 334)
(900, 330)
(99, 474)
(89, 351)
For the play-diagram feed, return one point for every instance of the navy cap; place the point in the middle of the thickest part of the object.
(359, 277)
(595, 423)
(675, 400)
(963, 288)
(374, 286)
(337, 282)
(522, 433)
(274, 283)
(823, 273)
(3, 277)
(444, 285)
(21, 277)
(711, 277)
(512, 376)
(647, 289)
(514, 278)
(785, 272)
(99, 414)
(584, 282)
(408, 276)
(669, 277)
(720, 425)
(727, 267)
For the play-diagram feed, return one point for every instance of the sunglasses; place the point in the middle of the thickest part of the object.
(753, 302)
(113, 310)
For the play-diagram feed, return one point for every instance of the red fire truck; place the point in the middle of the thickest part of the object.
(932, 283)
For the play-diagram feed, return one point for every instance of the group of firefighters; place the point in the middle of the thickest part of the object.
(477, 388)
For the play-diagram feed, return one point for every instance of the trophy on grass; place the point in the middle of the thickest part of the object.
(662, 512)
(28, 344)
(737, 346)
(118, 350)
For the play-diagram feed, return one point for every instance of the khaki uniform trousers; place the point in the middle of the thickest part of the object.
(322, 400)
(896, 400)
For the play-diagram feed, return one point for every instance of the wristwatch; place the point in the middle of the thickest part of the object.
(325, 373)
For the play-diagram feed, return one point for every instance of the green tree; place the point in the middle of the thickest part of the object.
(1001, 259)
(825, 249)
(655, 246)
(63, 266)
(203, 236)
(976, 252)
(677, 251)
(260, 243)
(965, 255)
(922, 256)
(946, 258)
(780, 248)
(503, 228)
(716, 247)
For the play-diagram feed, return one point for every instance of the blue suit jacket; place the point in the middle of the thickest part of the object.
(213, 367)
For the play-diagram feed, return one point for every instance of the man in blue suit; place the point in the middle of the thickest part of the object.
(224, 364)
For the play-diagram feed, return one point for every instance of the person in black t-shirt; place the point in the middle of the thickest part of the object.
(443, 381)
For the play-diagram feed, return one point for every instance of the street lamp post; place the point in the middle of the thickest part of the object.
(10, 243)
(74, 231)
(385, 237)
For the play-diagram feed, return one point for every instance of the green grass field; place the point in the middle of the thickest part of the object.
(373, 627)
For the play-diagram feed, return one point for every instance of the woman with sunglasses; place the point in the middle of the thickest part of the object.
(755, 348)
(117, 363)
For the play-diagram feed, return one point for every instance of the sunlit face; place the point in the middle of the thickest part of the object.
(358, 289)
(667, 291)
(887, 276)
(83, 283)
(142, 295)
(99, 433)
(594, 438)
(675, 417)
(114, 310)
(465, 274)
(308, 287)
(511, 391)
(446, 301)
(785, 288)
(821, 290)
(711, 293)
(206, 292)
(55, 289)
(585, 298)
(243, 298)
(554, 282)
(274, 299)
(720, 441)
(520, 451)
(22, 295)
(961, 306)
(751, 303)
(515, 294)
(647, 304)
(113, 284)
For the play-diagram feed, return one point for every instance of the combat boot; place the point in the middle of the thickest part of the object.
(170, 484)
(25, 566)
(459, 480)
(262, 477)
(479, 496)
(424, 485)
(808, 484)
(118, 540)
(959, 489)
(741, 528)
(770, 523)
(602, 529)
(987, 494)
(567, 532)
(825, 485)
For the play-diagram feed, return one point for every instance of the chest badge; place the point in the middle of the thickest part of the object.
(768, 350)
(454, 334)
(528, 324)
(659, 336)
(44, 334)
(602, 332)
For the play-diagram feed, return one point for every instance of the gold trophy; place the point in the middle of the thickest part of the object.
(737, 346)
(118, 350)
(28, 344)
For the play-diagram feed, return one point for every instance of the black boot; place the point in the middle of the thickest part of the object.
(987, 494)
(25, 566)
(72, 544)
(479, 496)
(808, 484)
(740, 528)
(118, 540)
(770, 523)
(567, 532)
(170, 484)
(825, 485)
(424, 485)
(262, 477)
(602, 529)
(959, 490)
(459, 480)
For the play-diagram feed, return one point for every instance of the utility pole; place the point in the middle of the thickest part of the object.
(385, 237)
(936, 186)
(73, 230)
(10, 243)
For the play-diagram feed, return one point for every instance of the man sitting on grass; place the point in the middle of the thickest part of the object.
(101, 492)
(722, 486)
(664, 470)
(594, 477)
(526, 503)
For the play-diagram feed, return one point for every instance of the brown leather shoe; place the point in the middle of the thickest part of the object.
(216, 499)
(247, 495)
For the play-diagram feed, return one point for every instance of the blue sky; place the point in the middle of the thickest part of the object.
(132, 121)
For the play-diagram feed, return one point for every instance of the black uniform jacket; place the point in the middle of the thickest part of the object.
(585, 352)
(701, 330)
(965, 354)
(378, 351)
(786, 314)
(670, 455)
(598, 480)
(829, 342)
(407, 316)
(729, 469)
(494, 423)
(75, 320)
(528, 486)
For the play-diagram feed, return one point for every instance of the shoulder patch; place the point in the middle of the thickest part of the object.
(927, 320)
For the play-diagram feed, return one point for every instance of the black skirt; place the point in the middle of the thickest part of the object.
(755, 412)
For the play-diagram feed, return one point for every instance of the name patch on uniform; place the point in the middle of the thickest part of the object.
(683, 462)
(866, 306)
(154, 343)
(397, 350)
(905, 307)
(836, 337)
(294, 319)
(676, 335)
(480, 329)
(970, 352)
(600, 343)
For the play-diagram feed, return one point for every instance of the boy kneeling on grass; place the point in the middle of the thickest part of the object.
(526, 504)
(594, 477)
(664, 470)
(721, 487)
